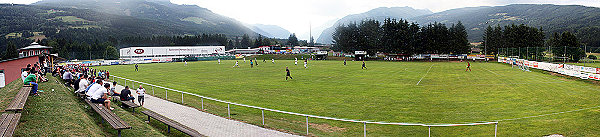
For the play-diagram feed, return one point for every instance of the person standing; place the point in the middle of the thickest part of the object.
(244, 60)
(219, 60)
(364, 66)
(287, 71)
(185, 62)
(251, 64)
(141, 91)
(344, 62)
(306, 63)
(273, 61)
(136, 67)
(468, 66)
(296, 61)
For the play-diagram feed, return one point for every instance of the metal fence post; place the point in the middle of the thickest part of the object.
(263, 116)
(181, 97)
(228, 112)
(307, 125)
(365, 129)
(152, 90)
(496, 129)
(202, 100)
(429, 133)
(166, 97)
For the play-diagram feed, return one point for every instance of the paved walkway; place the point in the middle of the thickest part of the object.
(205, 123)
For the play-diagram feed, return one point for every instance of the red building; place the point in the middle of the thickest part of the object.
(10, 69)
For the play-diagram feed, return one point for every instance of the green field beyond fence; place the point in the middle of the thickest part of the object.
(524, 103)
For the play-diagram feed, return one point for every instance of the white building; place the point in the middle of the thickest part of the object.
(169, 53)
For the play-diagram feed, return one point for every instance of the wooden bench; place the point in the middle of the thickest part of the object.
(18, 102)
(129, 104)
(109, 116)
(80, 94)
(170, 123)
(8, 124)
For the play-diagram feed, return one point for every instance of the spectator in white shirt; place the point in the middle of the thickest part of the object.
(24, 74)
(83, 84)
(141, 91)
(101, 96)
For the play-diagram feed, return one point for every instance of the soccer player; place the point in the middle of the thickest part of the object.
(219, 61)
(296, 62)
(185, 63)
(244, 60)
(251, 64)
(287, 71)
(306, 63)
(273, 61)
(236, 64)
(468, 66)
(364, 66)
(136, 67)
(344, 62)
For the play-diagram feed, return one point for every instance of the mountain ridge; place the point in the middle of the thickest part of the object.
(377, 14)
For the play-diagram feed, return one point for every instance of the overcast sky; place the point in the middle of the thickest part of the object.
(296, 15)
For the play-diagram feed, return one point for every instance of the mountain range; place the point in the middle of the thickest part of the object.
(582, 20)
(376, 14)
(178, 19)
(271, 31)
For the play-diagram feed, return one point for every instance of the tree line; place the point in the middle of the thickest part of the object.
(402, 37)
(514, 39)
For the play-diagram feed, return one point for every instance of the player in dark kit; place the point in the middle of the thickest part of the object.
(363, 65)
(468, 67)
(136, 67)
(344, 62)
(287, 71)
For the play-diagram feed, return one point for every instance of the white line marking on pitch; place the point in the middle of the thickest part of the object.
(491, 71)
(425, 74)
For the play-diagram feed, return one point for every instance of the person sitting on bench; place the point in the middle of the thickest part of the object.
(126, 95)
(32, 80)
(90, 92)
(113, 90)
(101, 96)
(83, 84)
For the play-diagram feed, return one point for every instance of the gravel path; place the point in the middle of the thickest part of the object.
(205, 123)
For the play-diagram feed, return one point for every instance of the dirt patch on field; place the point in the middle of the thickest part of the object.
(327, 127)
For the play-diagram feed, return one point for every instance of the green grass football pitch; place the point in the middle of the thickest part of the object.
(409, 92)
